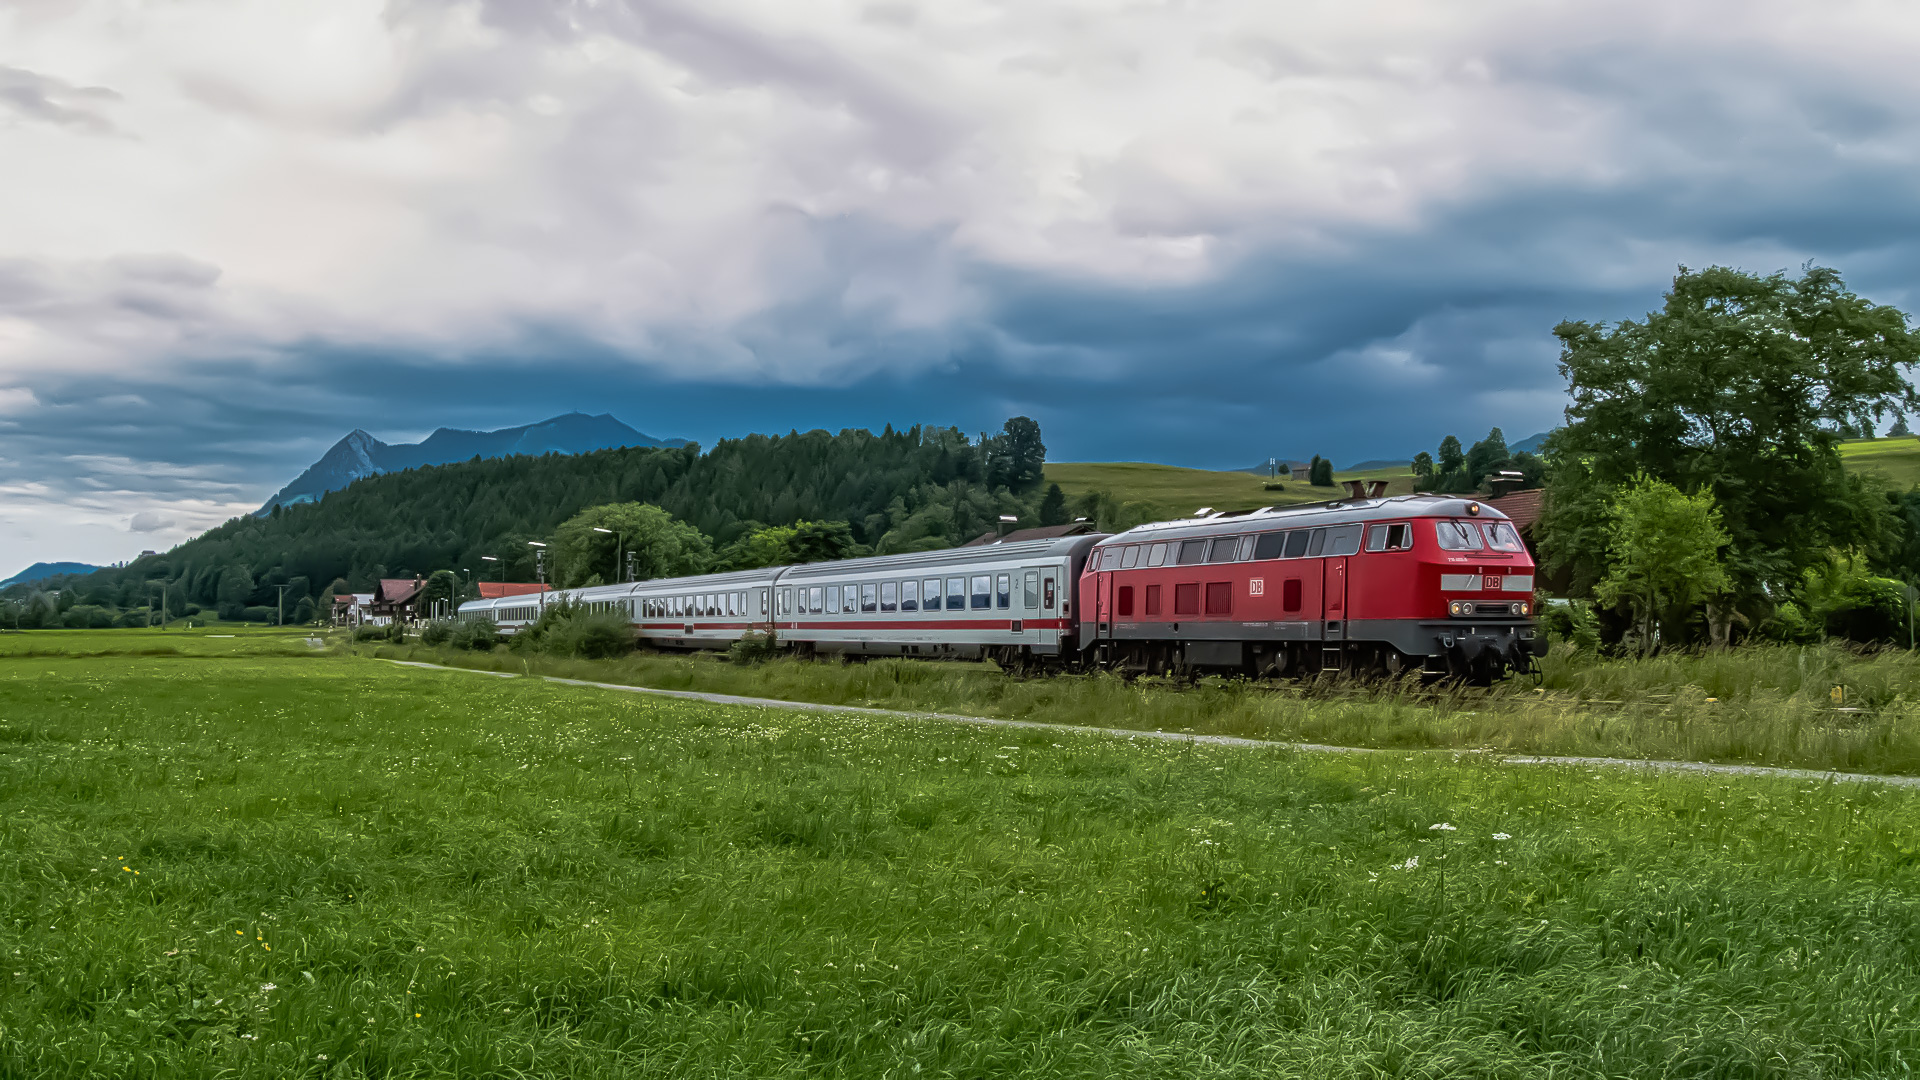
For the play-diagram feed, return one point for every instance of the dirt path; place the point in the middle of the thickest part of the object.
(1697, 767)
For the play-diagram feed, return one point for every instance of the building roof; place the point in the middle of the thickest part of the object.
(1522, 506)
(494, 590)
(397, 590)
(1044, 532)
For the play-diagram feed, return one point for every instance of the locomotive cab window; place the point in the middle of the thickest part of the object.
(1130, 558)
(1457, 535)
(1501, 537)
(1343, 540)
(1397, 536)
(1110, 558)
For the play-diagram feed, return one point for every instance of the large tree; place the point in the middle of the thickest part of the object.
(662, 545)
(1663, 550)
(1740, 385)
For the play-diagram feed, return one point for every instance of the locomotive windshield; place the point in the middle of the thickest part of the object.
(1457, 535)
(1501, 537)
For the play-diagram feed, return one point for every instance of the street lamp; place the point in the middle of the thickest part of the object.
(619, 550)
(503, 566)
(539, 560)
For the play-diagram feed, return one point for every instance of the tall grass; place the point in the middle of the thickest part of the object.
(328, 867)
(1760, 706)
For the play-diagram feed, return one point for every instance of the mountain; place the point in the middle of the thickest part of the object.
(1531, 444)
(40, 571)
(360, 455)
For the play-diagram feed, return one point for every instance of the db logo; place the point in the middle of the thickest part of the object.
(1257, 587)
(1494, 583)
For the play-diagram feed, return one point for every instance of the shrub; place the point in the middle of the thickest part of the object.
(566, 629)
(754, 647)
(476, 634)
(260, 614)
(1852, 604)
(436, 632)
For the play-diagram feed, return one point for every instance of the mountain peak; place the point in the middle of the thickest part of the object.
(359, 454)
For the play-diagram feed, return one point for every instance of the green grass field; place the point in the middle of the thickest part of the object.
(1897, 459)
(1754, 706)
(1177, 492)
(241, 864)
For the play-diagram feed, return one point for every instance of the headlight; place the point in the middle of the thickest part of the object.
(1523, 608)
(1459, 607)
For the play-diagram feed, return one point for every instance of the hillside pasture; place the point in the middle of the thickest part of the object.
(1175, 492)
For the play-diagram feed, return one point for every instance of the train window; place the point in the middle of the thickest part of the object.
(1032, 596)
(1290, 595)
(1269, 545)
(813, 600)
(909, 596)
(1457, 535)
(1224, 548)
(1130, 558)
(1297, 543)
(1501, 537)
(956, 594)
(1123, 602)
(1395, 537)
(1003, 594)
(1186, 598)
(833, 600)
(1110, 558)
(1157, 555)
(930, 594)
(849, 598)
(869, 597)
(766, 596)
(1343, 540)
(889, 596)
(1153, 600)
(1317, 544)
(1193, 552)
(982, 591)
(1046, 592)
(731, 610)
(1246, 548)
(783, 601)
(1219, 597)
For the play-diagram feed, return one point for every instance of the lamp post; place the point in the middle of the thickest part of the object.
(503, 566)
(619, 550)
(279, 606)
(539, 560)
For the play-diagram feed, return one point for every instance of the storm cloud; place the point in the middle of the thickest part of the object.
(1202, 232)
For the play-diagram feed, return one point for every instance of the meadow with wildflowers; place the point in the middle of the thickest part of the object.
(263, 864)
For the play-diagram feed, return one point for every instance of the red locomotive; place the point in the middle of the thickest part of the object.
(1441, 584)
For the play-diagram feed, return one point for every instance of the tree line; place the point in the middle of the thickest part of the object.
(804, 495)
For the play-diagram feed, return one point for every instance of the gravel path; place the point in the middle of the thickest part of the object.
(1697, 767)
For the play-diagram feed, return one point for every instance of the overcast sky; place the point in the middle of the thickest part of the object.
(1194, 232)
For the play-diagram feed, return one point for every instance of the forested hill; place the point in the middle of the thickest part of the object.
(899, 490)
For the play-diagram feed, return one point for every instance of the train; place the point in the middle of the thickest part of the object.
(1368, 585)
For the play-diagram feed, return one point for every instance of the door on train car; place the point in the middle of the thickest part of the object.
(1103, 604)
(1333, 600)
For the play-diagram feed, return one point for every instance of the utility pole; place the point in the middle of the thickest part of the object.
(279, 605)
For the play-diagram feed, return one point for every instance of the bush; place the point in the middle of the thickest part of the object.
(395, 632)
(479, 635)
(260, 614)
(1852, 604)
(193, 609)
(566, 629)
(87, 617)
(754, 647)
(436, 632)
(232, 612)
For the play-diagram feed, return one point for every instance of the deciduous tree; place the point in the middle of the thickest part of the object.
(1663, 551)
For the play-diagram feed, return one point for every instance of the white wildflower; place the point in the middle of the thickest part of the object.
(267, 988)
(1412, 863)
(1501, 836)
(1442, 827)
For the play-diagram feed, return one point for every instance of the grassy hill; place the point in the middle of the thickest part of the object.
(1176, 492)
(1897, 459)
